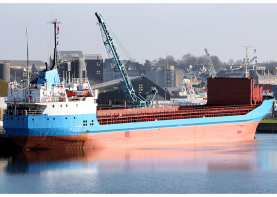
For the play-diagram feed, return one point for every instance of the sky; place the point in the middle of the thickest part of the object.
(146, 30)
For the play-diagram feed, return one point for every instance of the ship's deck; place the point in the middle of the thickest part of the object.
(170, 113)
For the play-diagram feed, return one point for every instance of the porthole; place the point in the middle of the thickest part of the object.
(76, 105)
(53, 106)
(61, 105)
(66, 105)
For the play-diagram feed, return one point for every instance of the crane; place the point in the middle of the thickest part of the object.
(248, 66)
(212, 70)
(120, 69)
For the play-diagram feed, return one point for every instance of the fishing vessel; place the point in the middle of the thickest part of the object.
(52, 114)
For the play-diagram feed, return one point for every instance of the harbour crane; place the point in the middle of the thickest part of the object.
(248, 66)
(120, 69)
(212, 70)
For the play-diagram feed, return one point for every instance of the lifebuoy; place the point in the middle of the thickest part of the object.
(30, 97)
(47, 97)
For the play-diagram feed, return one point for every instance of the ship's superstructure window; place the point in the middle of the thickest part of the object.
(66, 105)
(76, 105)
(61, 105)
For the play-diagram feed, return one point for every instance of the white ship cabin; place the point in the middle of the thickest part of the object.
(38, 99)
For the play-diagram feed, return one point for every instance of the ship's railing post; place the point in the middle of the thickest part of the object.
(25, 112)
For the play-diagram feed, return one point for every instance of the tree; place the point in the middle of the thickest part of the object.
(147, 63)
(239, 62)
(171, 60)
(189, 59)
(161, 61)
(155, 61)
(132, 65)
(231, 61)
(216, 62)
(202, 60)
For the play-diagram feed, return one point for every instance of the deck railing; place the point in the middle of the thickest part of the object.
(23, 112)
(37, 99)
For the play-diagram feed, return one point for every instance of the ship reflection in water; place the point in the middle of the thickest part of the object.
(230, 156)
(200, 168)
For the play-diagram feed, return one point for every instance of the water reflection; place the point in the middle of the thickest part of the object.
(205, 157)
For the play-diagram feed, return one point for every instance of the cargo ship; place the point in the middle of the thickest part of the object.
(51, 114)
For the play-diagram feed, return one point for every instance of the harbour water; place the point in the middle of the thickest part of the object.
(241, 167)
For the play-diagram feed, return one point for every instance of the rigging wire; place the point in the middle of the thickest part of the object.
(26, 27)
(120, 45)
(47, 43)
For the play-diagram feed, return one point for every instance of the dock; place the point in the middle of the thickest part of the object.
(6, 142)
(267, 128)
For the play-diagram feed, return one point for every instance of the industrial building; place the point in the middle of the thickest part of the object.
(110, 93)
(71, 61)
(17, 69)
(110, 74)
(166, 77)
(94, 67)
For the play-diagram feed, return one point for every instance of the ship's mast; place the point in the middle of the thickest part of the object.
(246, 60)
(55, 22)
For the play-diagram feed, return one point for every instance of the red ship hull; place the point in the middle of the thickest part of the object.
(144, 138)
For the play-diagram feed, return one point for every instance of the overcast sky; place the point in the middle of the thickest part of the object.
(147, 31)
